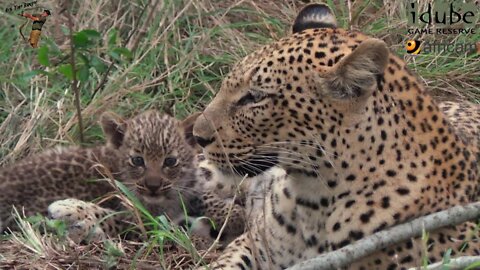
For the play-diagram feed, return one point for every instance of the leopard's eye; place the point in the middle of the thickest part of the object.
(253, 96)
(137, 161)
(170, 162)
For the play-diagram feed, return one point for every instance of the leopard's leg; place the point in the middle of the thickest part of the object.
(87, 221)
(243, 253)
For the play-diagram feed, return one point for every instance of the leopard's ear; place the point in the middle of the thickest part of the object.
(114, 127)
(356, 74)
(187, 127)
(314, 16)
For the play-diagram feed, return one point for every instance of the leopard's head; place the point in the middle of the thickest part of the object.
(158, 157)
(284, 103)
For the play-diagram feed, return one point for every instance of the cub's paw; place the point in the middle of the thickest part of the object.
(200, 231)
(83, 219)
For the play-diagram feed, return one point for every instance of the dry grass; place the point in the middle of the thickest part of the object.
(181, 50)
(119, 254)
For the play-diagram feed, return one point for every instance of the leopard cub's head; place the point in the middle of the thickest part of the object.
(158, 157)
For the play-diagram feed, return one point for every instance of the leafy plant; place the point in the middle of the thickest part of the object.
(113, 253)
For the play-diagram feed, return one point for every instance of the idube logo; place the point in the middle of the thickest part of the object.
(441, 17)
(442, 14)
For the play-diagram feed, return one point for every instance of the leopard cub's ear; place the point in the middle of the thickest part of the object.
(114, 127)
(314, 16)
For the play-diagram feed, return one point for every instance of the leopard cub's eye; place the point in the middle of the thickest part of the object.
(137, 161)
(170, 162)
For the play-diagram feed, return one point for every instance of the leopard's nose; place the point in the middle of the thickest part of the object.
(204, 142)
(204, 130)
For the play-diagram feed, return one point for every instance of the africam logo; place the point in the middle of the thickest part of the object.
(442, 14)
(414, 47)
(38, 19)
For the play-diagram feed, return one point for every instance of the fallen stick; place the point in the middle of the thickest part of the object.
(370, 244)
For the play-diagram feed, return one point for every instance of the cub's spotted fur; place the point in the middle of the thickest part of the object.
(363, 145)
(151, 154)
(38, 180)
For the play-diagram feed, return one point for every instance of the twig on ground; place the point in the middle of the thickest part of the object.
(368, 245)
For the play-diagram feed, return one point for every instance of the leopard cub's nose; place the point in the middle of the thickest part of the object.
(204, 142)
(153, 187)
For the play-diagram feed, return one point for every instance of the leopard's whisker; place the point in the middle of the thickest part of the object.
(291, 152)
(286, 160)
(251, 166)
(314, 167)
(312, 144)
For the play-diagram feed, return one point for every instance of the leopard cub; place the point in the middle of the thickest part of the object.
(152, 154)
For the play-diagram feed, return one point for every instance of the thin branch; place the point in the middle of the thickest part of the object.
(103, 81)
(75, 89)
(368, 245)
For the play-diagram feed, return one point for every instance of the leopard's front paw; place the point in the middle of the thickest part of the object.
(82, 219)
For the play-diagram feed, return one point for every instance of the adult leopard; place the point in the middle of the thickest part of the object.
(363, 145)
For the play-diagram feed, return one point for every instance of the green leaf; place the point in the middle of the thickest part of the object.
(118, 52)
(66, 70)
(84, 58)
(85, 38)
(93, 34)
(114, 55)
(83, 73)
(80, 39)
(35, 219)
(43, 56)
(98, 64)
(123, 51)
(112, 37)
(58, 225)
